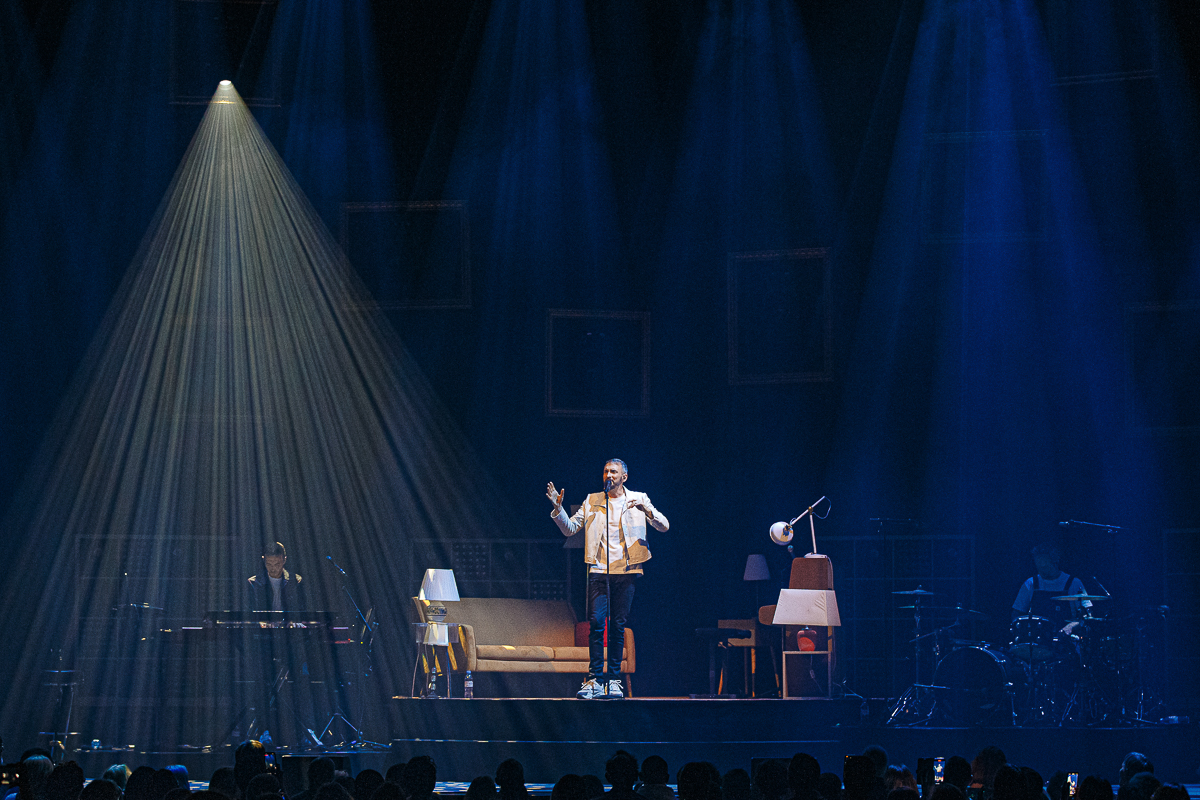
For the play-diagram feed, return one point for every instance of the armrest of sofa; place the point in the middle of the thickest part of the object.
(462, 655)
(466, 635)
(458, 657)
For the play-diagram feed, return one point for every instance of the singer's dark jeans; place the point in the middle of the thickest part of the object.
(622, 601)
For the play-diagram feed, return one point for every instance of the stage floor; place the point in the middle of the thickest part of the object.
(552, 737)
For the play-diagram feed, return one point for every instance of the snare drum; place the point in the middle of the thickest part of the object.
(1032, 639)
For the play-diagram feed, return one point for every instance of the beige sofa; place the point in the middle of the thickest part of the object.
(511, 635)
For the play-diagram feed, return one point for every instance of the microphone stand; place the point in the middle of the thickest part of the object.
(608, 634)
(369, 637)
(368, 627)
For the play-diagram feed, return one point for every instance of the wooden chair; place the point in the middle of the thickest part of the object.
(813, 572)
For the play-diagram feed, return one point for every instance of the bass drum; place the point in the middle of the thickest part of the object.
(979, 686)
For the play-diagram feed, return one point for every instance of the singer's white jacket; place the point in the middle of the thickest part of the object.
(591, 517)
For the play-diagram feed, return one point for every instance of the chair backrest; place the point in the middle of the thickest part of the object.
(814, 572)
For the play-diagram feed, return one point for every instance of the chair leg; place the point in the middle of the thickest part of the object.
(775, 659)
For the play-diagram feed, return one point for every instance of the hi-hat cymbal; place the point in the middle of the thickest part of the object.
(1092, 597)
(917, 592)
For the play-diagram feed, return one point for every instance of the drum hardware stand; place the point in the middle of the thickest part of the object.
(1054, 698)
(1073, 700)
(1146, 700)
(1043, 687)
(1011, 691)
(64, 681)
(337, 714)
(1103, 705)
(913, 700)
(1101, 702)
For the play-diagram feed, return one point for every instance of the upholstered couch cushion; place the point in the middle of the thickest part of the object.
(510, 652)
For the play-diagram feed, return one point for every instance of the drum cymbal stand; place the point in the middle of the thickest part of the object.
(1147, 705)
(917, 700)
(1148, 702)
(1098, 695)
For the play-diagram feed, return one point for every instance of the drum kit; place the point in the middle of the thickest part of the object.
(1095, 670)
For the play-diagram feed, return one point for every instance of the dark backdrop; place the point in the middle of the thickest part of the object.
(723, 458)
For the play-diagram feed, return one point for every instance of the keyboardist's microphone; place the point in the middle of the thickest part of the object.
(335, 566)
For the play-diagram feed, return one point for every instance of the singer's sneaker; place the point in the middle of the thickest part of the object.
(613, 691)
(590, 690)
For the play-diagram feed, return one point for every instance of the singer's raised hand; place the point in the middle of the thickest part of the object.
(556, 496)
(640, 505)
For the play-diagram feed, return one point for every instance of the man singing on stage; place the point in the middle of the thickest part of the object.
(615, 551)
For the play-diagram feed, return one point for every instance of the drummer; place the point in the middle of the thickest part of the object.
(1036, 597)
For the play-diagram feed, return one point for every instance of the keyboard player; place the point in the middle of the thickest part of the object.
(274, 588)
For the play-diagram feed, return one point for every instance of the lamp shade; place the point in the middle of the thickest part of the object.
(756, 568)
(439, 585)
(816, 607)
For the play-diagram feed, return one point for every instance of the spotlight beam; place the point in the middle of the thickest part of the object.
(243, 389)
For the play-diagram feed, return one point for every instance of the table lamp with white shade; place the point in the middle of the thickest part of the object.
(437, 588)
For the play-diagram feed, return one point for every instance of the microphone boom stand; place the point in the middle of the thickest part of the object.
(369, 636)
(608, 626)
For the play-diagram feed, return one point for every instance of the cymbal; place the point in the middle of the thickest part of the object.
(1092, 597)
(918, 592)
(958, 611)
